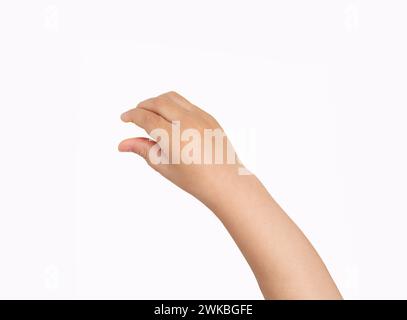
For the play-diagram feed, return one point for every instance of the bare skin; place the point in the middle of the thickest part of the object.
(284, 262)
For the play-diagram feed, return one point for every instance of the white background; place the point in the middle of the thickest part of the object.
(321, 83)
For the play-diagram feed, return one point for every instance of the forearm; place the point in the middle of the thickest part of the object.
(283, 260)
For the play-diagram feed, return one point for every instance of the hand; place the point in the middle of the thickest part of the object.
(189, 147)
(284, 262)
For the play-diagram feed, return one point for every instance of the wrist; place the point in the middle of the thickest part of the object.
(233, 195)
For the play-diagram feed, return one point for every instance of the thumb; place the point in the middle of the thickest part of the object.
(141, 146)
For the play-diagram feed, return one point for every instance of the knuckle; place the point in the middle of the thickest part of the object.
(172, 94)
(140, 104)
(143, 153)
(146, 103)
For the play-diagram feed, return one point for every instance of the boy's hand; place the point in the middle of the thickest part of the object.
(180, 150)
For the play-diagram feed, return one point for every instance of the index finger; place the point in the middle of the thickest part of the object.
(145, 119)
